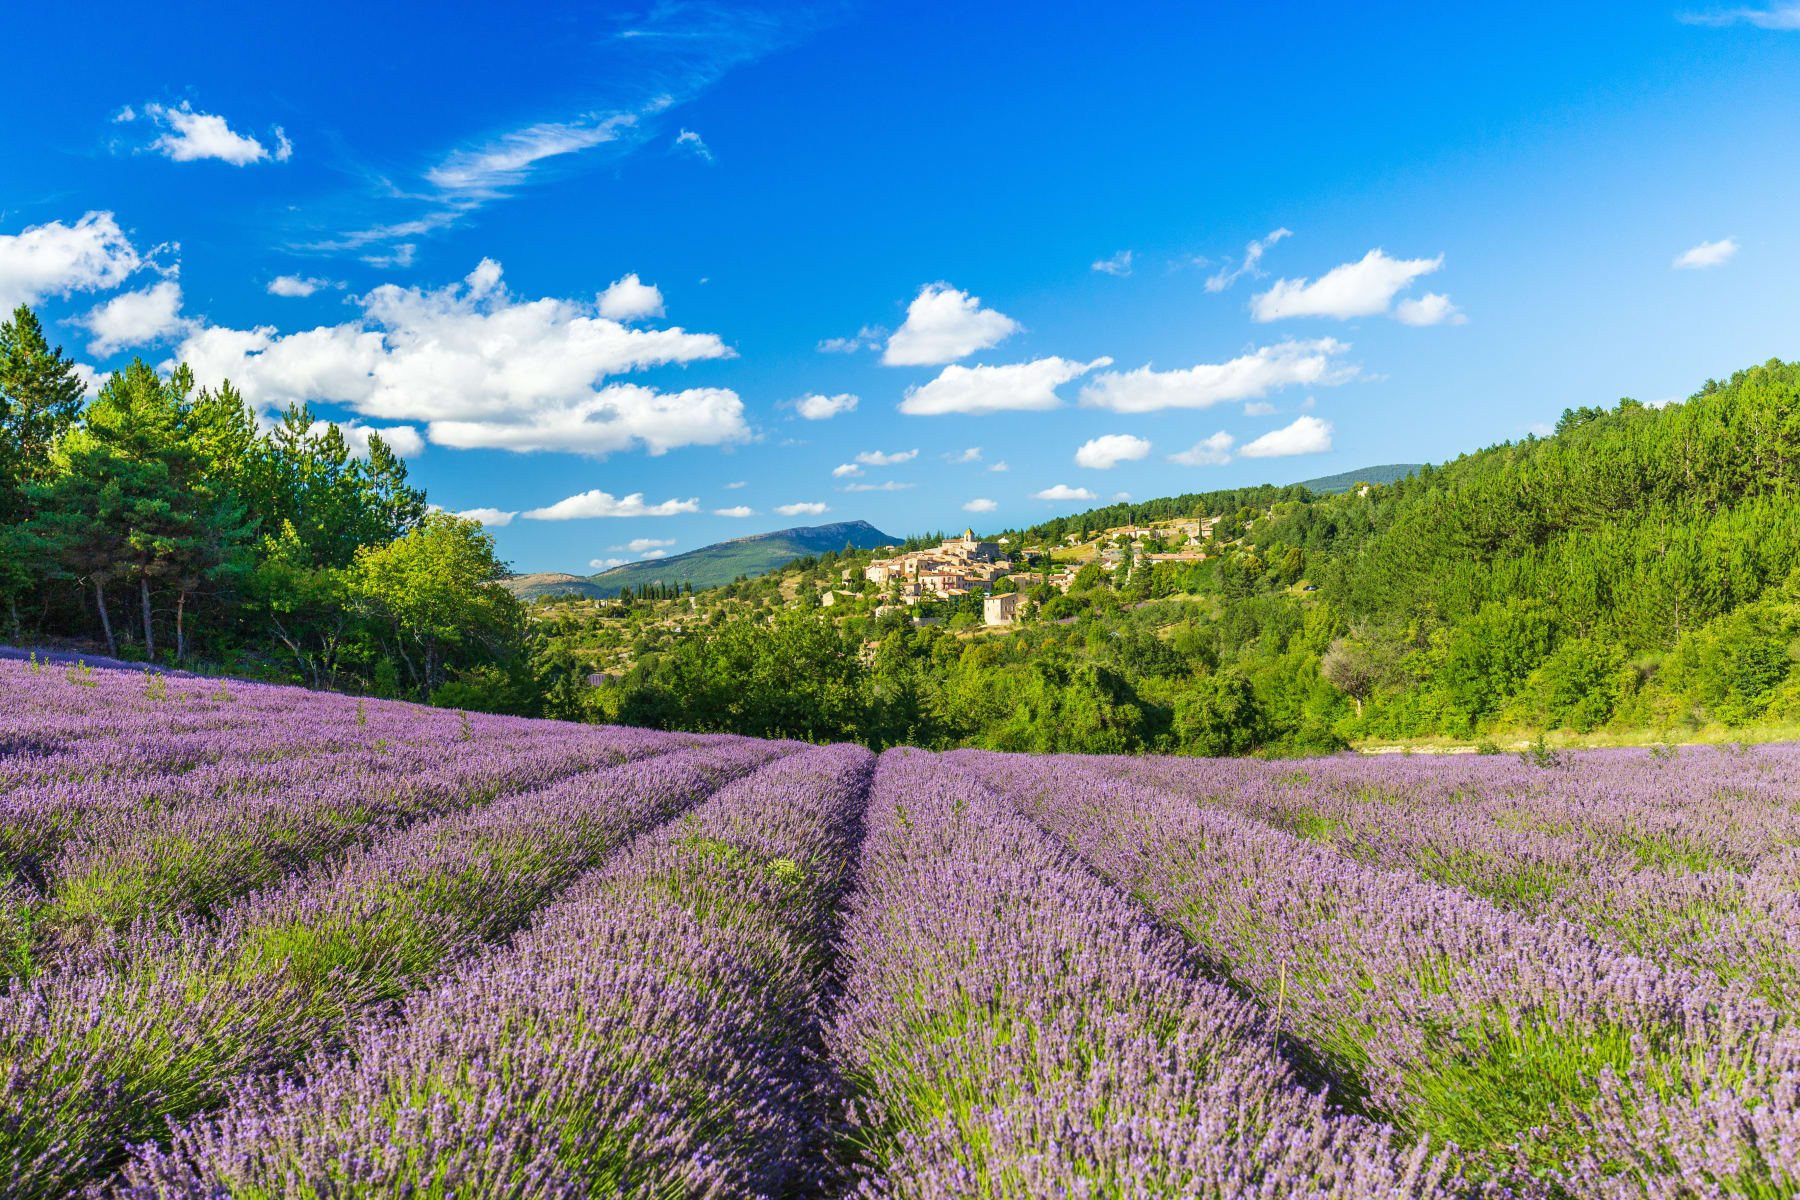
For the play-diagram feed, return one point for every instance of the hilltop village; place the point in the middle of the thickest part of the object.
(966, 586)
(963, 566)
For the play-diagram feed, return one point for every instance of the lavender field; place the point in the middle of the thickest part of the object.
(262, 942)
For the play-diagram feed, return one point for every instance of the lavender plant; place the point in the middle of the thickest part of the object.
(655, 1033)
(152, 1024)
(1017, 1029)
(1456, 1019)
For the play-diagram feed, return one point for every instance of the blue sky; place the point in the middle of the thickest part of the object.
(613, 272)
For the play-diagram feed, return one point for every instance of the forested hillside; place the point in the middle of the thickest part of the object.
(1635, 571)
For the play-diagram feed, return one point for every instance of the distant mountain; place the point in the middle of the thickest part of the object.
(552, 583)
(1331, 484)
(709, 566)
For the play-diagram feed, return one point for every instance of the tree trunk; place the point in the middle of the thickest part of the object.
(149, 639)
(305, 664)
(112, 647)
(180, 633)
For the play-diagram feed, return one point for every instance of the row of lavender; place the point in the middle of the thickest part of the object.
(1553, 1059)
(481, 979)
(1015, 1027)
(1689, 858)
(654, 1033)
(1006, 1024)
(127, 797)
(255, 919)
(480, 976)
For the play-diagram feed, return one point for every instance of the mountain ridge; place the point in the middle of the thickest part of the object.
(712, 565)
(1343, 481)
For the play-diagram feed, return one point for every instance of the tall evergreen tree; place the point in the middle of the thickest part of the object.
(41, 396)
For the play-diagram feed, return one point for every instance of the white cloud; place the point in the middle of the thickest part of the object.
(887, 486)
(401, 256)
(55, 259)
(1706, 254)
(1018, 387)
(1540, 429)
(1780, 16)
(1118, 264)
(607, 564)
(1121, 497)
(1246, 377)
(1063, 491)
(640, 545)
(688, 139)
(1360, 289)
(942, 325)
(629, 299)
(1307, 435)
(190, 136)
(810, 508)
(656, 554)
(736, 510)
(875, 458)
(1250, 266)
(980, 506)
(403, 440)
(137, 319)
(846, 471)
(740, 483)
(295, 285)
(1259, 408)
(1109, 450)
(972, 454)
(1207, 452)
(1433, 308)
(484, 171)
(482, 370)
(867, 338)
(91, 380)
(494, 518)
(814, 407)
(1000, 466)
(597, 503)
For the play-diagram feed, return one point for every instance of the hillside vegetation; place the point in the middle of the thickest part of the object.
(1633, 572)
(1348, 480)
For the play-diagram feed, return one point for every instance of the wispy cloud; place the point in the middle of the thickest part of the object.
(297, 285)
(869, 337)
(1249, 265)
(692, 142)
(1118, 264)
(1784, 16)
(655, 64)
